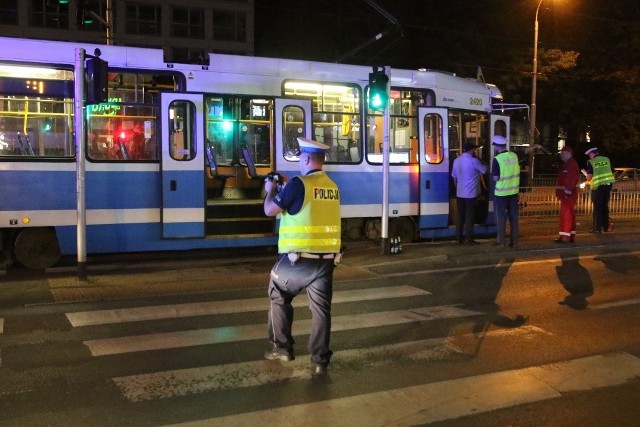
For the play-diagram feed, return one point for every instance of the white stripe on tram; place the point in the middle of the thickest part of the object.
(208, 308)
(183, 382)
(162, 341)
(445, 400)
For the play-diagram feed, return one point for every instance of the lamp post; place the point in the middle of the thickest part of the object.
(532, 130)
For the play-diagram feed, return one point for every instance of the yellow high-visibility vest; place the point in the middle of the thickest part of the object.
(316, 227)
(509, 181)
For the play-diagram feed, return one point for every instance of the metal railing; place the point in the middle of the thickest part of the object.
(542, 201)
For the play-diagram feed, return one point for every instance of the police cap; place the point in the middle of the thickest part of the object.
(310, 146)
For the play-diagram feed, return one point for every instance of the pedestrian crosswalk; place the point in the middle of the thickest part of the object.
(118, 336)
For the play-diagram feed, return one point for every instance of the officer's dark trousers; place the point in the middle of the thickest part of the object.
(287, 281)
(506, 207)
(600, 198)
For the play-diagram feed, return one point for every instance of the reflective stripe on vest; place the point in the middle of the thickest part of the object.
(601, 172)
(316, 228)
(509, 181)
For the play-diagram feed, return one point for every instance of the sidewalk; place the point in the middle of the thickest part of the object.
(362, 260)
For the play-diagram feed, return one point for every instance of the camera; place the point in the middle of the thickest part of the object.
(277, 179)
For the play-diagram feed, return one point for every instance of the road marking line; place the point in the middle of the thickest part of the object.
(614, 304)
(1, 325)
(138, 314)
(161, 341)
(182, 382)
(445, 400)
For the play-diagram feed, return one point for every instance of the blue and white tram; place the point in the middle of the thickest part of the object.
(168, 158)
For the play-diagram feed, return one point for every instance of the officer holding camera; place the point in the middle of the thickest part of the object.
(308, 251)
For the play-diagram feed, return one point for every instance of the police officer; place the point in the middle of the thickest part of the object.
(600, 175)
(505, 170)
(309, 248)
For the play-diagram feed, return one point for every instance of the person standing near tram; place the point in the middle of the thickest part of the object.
(467, 174)
(309, 248)
(599, 173)
(505, 170)
(567, 193)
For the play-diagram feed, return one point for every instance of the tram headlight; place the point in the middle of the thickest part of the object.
(26, 220)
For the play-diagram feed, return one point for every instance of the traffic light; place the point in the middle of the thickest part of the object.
(378, 90)
(97, 81)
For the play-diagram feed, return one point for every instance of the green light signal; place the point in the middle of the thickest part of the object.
(378, 90)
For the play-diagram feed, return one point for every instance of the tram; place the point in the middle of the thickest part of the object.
(176, 158)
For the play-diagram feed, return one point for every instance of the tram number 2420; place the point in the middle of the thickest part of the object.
(475, 101)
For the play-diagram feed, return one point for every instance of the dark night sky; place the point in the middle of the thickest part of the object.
(449, 35)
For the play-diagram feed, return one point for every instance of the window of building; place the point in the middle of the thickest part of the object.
(8, 12)
(143, 19)
(336, 116)
(229, 26)
(49, 14)
(88, 15)
(187, 23)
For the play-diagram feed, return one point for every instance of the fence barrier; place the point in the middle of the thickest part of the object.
(542, 201)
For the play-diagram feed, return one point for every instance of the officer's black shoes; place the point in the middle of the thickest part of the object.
(319, 370)
(594, 232)
(277, 353)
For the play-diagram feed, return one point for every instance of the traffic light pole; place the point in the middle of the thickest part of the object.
(79, 128)
(385, 175)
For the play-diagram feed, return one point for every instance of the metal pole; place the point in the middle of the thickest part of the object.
(109, 19)
(534, 82)
(79, 128)
(385, 174)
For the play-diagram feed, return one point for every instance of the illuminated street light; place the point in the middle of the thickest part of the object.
(532, 130)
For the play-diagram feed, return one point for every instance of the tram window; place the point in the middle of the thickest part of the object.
(122, 132)
(336, 117)
(234, 122)
(500, 128)
(403, 127)
(140, 88)
(181, 133)
(293, 127)
(433, 133)
(36, 112)
(254, 122)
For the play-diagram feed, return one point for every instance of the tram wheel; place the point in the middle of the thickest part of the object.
(37, 248)
(403, 227)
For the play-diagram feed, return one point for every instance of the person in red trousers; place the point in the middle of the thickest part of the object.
(567, 193)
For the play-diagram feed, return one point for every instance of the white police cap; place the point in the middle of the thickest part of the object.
(499, 140)
(591, 150)
(311, 146)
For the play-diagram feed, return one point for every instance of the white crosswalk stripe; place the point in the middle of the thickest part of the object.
(444, 400)
(102, 347)
(248, 374)
(137, 314)
(428, 402)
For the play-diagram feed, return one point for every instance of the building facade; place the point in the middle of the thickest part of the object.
(187, 30)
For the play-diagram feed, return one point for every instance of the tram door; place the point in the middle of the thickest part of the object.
(183, 180)
(293, 119)
(434, 168)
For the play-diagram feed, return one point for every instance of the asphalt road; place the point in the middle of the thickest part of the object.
(443, 334)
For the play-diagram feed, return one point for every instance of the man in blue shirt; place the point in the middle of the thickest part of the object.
(467, 174)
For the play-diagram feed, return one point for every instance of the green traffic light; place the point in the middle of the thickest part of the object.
(378, 90)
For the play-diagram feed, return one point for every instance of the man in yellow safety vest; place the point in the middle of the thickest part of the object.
(505, 170)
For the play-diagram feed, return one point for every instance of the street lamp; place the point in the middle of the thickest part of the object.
(532, 129)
